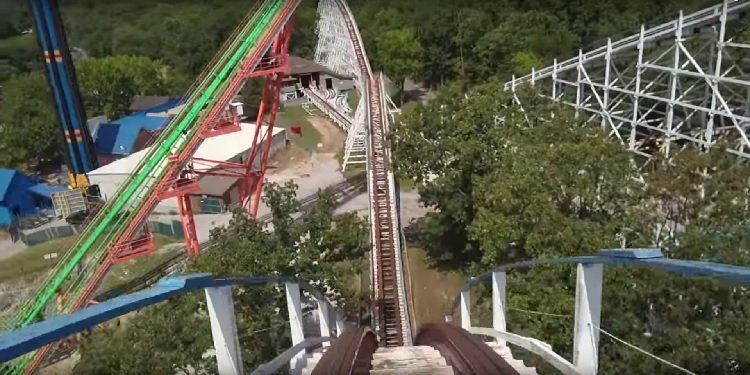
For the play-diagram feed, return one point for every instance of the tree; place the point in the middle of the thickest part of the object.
(319, 248)
(161, 339)
(510, 185)
(538, 33)
(400, 56)
(28, 127)
(109, 85)
(305, 40)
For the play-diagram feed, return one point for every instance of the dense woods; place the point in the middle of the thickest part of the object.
(542, 185)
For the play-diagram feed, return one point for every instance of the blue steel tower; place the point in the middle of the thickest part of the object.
(80, 154)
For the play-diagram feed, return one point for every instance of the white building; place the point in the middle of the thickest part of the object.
(232, 147)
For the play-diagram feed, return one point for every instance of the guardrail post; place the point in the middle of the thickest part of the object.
(587, 318)
(466, 309)
(498, 304)
(224, 330)
(324, 316)
(294, 307)
(339, 325)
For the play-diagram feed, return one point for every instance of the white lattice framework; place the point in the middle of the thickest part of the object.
(681, 84)
(335, 51)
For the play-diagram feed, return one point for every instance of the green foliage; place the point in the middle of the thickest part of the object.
(19, 54)
(160, 340)
(109, 85)
(509, 185)
(178, 332)
(12, 20)
(476, 40)
(28, 131)
(400, 55)
(538, 33)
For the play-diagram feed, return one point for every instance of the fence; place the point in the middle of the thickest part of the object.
(172, 229)
(31, 238)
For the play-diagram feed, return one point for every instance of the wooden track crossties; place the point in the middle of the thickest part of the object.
(389, 316)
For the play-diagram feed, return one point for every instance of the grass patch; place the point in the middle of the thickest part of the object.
(353, 99)
(432, 291)
(295, 115)
(30, 262)
(124, 272)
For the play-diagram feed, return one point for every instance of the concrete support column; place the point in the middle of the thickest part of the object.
(294, 307)
(498, 304)
(587, 317)
(224, 330)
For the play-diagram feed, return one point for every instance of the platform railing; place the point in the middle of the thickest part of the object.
(588, 300)
(220, 306)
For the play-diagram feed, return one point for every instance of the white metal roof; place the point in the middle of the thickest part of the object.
(221, 148)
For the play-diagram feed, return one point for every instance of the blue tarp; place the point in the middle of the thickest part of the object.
(118, 138)
(6, 176)
(46, 191)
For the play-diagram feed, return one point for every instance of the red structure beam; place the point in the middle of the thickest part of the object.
(252, 188)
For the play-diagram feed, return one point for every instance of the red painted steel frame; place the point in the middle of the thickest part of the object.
(275, 71)
(273, 68)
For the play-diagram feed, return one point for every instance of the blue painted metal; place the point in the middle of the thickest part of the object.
(16, 197)
(642, 258)
(45, 191)
(81, 156)
(16, 343)
(632, 253)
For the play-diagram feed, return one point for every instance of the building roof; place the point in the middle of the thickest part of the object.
(45, 190)
(223, 148)
(118, 137)
(6, 176)
(145, 102)
(299, 65)
(164, 107)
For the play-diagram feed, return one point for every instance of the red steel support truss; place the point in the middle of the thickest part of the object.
(272, 68)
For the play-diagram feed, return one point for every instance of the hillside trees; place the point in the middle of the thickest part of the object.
(321, 249)
(29, 134)
(497, 167)
(109, 85)
(399, 56)
(473, 41)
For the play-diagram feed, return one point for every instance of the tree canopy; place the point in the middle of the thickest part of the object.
(29, 131)
(510, 184)
(475, 40)
(320, 248)
(109, 85)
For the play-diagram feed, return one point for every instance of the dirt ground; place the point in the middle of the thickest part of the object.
(287, 158)
(64, 367)
(296, 158)
(332, 137)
